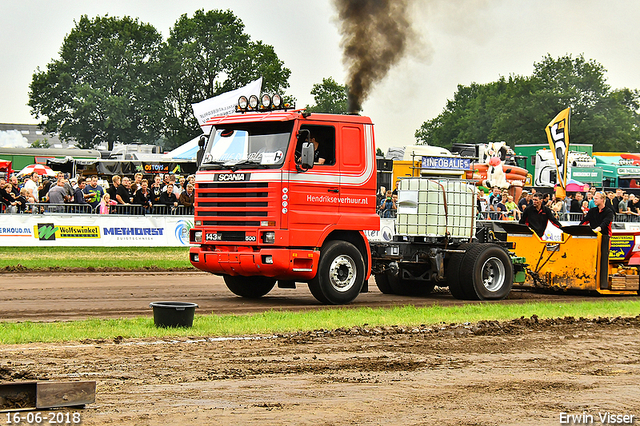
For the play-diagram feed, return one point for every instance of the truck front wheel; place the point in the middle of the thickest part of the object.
(249, 287)
(340, 274)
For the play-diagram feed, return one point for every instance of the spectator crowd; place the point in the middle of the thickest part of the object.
(498, 204)
(170, 194)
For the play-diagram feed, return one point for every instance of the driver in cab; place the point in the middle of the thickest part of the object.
(318, 156)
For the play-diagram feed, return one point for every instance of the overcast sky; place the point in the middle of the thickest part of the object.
(463, 41)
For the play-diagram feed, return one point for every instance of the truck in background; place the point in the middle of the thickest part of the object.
(285, 196)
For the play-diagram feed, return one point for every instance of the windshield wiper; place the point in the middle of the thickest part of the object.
(210, 164)
(235, 166)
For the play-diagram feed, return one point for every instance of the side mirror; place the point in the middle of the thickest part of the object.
(306, 159)
(200, 153)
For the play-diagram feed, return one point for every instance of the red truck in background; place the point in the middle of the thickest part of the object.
(289, 196)
(264, 215)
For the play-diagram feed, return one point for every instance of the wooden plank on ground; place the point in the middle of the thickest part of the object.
(65, 394)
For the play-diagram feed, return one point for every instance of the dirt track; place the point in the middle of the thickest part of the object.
(525, 372)
(51, 296)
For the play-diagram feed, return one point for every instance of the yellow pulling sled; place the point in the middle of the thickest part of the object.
(572, 263)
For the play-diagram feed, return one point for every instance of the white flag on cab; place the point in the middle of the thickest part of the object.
(225, 103)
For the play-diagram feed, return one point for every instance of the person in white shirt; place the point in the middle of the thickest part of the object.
(31, 184)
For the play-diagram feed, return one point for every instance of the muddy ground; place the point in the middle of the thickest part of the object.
(523, 372)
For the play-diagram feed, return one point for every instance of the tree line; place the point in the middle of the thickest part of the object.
(518, 108)
(118, 80)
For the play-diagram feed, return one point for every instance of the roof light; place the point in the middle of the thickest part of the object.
(277, 101)
(253, 101)
(266, 101)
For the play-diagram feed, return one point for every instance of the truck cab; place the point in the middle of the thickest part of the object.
(263, 216)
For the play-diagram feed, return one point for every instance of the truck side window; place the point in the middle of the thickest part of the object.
(324, 141)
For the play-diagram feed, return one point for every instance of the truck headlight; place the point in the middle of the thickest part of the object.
(197, 237)
(269, 237)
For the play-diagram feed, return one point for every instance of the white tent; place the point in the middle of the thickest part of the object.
(188, 151)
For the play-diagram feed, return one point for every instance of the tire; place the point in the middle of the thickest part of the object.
(453, 274)
(486, 273)
(249, 287)
(382, 281)
(340, 275)
(404, 287)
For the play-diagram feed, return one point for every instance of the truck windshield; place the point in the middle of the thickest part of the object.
(257, 145)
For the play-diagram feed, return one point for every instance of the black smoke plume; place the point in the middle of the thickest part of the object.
(375, 35)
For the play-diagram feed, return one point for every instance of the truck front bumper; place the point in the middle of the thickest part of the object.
(279, 263)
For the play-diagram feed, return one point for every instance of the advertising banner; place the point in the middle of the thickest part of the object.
(558, 134)
(224, 104)
(94, 230)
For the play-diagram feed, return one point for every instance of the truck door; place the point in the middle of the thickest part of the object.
(356, 158)
(314, 194)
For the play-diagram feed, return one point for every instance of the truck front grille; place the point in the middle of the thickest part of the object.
(235, 204)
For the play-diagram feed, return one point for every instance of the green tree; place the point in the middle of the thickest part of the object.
(207, 55)
(104, 87)
(517, 109)
(330, 97)
(40, 143)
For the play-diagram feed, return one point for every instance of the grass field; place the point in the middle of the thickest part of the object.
(106, 257)
(274, 322)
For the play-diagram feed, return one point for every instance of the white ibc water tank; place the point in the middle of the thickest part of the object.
(435, 208)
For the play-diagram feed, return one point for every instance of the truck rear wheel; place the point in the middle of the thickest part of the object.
(393, 284)
(382, 281)
(405, 287)
(340, 274)
(249, 287)
(453, 274)
(486, 272)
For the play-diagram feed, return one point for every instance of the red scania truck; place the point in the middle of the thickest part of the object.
(285, 196)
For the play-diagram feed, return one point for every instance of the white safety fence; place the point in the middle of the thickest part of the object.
(81, 230)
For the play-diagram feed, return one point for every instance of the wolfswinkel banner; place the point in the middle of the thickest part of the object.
(558, 134)
(223, 104)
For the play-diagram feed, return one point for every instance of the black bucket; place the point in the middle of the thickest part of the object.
(173, 314)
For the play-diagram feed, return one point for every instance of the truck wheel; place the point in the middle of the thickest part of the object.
(382, 281)
(486, 272)
(249, 287)
(340, 274)
(404, 287)
(453, 274)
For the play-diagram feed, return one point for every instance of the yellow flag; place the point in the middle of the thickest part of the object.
(558, 134)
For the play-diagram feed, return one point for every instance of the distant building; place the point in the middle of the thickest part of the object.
(24, 135)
